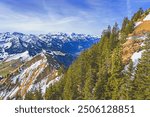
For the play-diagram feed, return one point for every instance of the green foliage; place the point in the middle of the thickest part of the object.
(34, 94)
(89, 85)
(127, 82)
(87, 77)
(142, 77)
(98, 73)
(113, 84)
(127, 26)
(137, 16)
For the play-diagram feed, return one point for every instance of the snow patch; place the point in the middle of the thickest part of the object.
(147, 17)
(138, 23)
(143, 44)
(54, 81)
(7, 45)
(128, 38)
(136, 56)
(58, 53)
(24, 56)
(14, 91)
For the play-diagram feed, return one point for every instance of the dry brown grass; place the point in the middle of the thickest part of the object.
(128, 48)
(142, 28)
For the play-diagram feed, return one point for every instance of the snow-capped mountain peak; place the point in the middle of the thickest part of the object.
(54, 43)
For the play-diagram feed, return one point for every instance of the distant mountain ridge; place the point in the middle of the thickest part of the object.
(61, 45)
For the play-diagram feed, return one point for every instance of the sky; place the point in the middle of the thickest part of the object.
(79, 16)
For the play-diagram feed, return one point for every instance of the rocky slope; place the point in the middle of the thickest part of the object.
(132, 48)
(29, 62)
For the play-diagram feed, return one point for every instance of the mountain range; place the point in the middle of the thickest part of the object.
(60, 45)
(115, 66)
(35, 59)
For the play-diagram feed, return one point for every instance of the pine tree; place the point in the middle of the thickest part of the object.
(124, 24)
(30, 95)
(127, 26)
(99, 90)
(98, 73)
(68, 89)
(127, 82)
(137, 15)
(142, 76)
(38, 93)
(114, 82)
(52, 93)
(89, 85)
(130, 27)
(115, 29)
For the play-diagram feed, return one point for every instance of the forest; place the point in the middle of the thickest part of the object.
(99, 72)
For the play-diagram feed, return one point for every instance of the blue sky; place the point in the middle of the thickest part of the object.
(79, 16)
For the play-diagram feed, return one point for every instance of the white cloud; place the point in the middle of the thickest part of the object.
(13, 21)
(129, 8)
(65, 18)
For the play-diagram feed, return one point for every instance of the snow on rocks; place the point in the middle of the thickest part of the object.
(58, 53)
(14, 91)
(141, 37)
(136, 56)
(138, 23)
(147, 17)
(24, 56)
(28, 76)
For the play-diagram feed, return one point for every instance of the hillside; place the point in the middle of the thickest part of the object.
(142, 28)
(115, 68)
(118, 67)
(29, 76)
(31, 62)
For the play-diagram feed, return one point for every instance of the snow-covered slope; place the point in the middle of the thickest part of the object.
(136, 56)
(36, 72)
(23, 56)
(147, 17)
(138, 23)
(133, 48)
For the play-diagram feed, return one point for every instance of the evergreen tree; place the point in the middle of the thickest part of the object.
(114, 82)
(142, 76)
(124, 24)
(137, 15)
(127, 82)
(99, 90)
(68, 89)
(89, 85)
(29, 96)
(115, 29)
(127, 26)
(98, 73)
(130, 27)
(38, 93)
